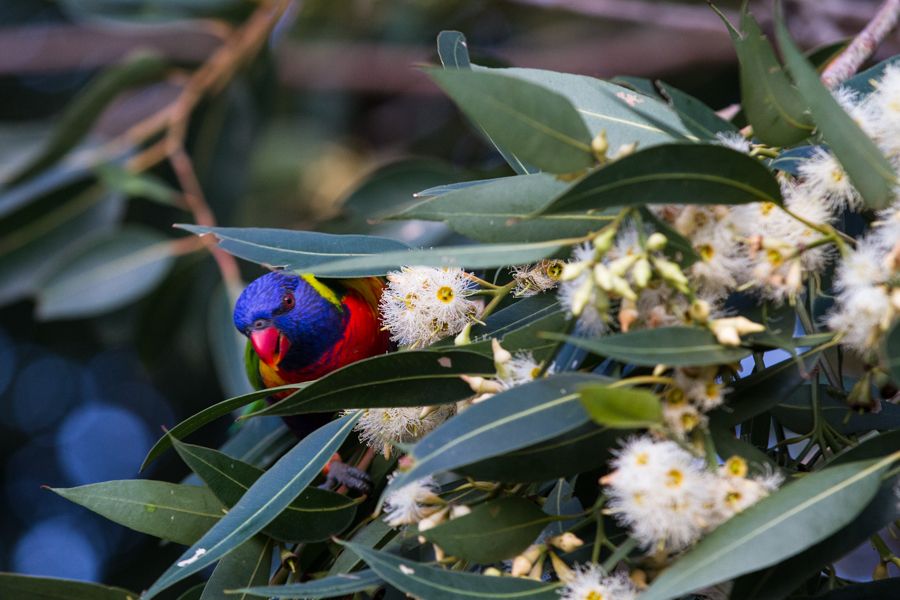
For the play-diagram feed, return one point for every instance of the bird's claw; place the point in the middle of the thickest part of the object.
(340, 473)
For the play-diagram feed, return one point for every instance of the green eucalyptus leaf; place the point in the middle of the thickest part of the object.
(472, 256)
(375, 534)
(314, 516)
(622, 408)
(582, 449)
(502, 210)
(790, 160)
(863, 83)
(672, 346)
(13, 586)
(210, 414)
(407, 378)
(265, 500)
(495, 530)
(331, 586)
(169, 511)
(193, 593)
(771, 103)
(518, 327)
(247, 565)
(624, 116)
(697, 117)
(541, 126)
(106, 273)
(434, 583)
(795, 413)
(301, 251)
(137, 185)
(446, 188)
(777, 527)
(514, 419)
(671, 173)
(871, 173)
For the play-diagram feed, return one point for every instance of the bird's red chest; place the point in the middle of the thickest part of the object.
(362, 338)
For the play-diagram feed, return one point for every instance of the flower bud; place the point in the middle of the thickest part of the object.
(501, 356)
(699, 310)
(459, 510)
(480, 385)
(602, 277)
(492, 572)
(620, 287)
(434, 520)
(728, 331)
(672, 273)
(656, 241)
(624, 150)
(582, 297)
(523, 563)
(572, 270)
(567, 542)
(621, 265)
(563, 572)
(641, 273)
(465, 336)
(600, 145)
(603, 241)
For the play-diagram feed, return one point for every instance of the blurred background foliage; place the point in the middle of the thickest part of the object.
(111, 322)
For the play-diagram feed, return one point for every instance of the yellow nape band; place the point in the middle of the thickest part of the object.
(323, 290)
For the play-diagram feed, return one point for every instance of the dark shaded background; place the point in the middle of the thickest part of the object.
(333, 98)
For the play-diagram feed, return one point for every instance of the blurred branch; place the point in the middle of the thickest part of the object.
(863, 45)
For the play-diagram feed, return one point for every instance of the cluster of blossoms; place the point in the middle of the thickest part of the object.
(668, 499)
(382, 428)
(421, 305)
(694, 391)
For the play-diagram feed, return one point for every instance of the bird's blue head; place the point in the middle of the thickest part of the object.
(291, 320)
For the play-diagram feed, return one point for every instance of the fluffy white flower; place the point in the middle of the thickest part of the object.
(381, 428)
(421, 305)
(733, 140)
(682, 418)
(412, 503)
(825, 179)
(589, 582)
(699, 386)
(536, 278)
(884, 104)
(659, 492)
(521, 368)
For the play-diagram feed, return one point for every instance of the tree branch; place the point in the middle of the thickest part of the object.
(864, 45)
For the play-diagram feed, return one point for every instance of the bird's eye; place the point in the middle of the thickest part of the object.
(287, 301)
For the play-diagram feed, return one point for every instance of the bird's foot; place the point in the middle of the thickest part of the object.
(339, 473)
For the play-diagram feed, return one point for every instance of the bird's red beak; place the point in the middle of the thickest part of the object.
(270, 344)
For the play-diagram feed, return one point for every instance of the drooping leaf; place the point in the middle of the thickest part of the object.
(697, 117)
(502, 211)
(246, 566)
(106, 273)
(541, 126)
(446, 188)
(493, 531)
(137, 185)
(408, 378)
(771, 103)
(624, 116)
(777, 527)
(376, 534)
(259, 442)
(314, 516)
(561, 501)
(472, 256)
(622, 408)
(84, 110)
(332, 586)
(264, 501)
(891, 352)
(169, 511)
(671, 173)
(454, 54)
(300, 251)
(208, 415)
(672, 346)
(582, 449)
(13, 585)
(511, 420)
(871, 173)
(434, 583)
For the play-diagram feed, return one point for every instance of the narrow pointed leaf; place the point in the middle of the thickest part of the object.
(542, 126)
(13, 585)
(772, 104)
(514, 419)
(246, 566)
(265, 500)
(502, 211)
(473, 256)
(314, 516)
(697, 117)
(107, 273)
(169, 511)
(779, 526)
(891, 352)
(297, 250)
(676, 173)
(434, 583)
(493, 531)
(410, 378)
(622, 408)
(672, 346)
(208, 415)
(871, 173)
(376, 534)
(327, 587)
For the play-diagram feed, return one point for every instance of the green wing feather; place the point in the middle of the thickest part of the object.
(251, 365)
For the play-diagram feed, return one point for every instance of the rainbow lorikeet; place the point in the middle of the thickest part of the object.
(299, 329)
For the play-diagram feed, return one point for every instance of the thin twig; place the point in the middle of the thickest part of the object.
(863, 45)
